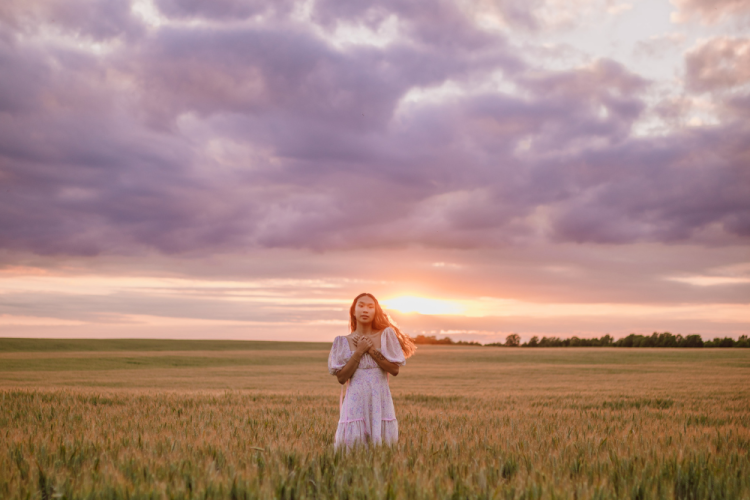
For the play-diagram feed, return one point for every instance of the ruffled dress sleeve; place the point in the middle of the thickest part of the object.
(338, 356)
(391, 348)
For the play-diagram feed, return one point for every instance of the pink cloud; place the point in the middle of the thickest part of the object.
(709, 11)
(718, 64)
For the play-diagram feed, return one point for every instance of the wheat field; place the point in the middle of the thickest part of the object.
(197, 421)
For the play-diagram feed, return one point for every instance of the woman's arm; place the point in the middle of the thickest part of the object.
(350, 367)
(383, 363)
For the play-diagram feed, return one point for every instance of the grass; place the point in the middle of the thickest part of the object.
(134, 362)
(149, 345)
(474, 423)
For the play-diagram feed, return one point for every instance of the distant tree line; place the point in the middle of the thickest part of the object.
(656, 339)
(432, 340)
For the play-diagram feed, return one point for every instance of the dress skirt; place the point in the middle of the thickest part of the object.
(367, 415)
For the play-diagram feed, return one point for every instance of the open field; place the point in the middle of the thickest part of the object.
(133, 419)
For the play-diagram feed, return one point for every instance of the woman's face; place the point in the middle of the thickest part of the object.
(364, 311)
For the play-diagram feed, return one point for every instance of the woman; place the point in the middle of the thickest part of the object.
(362, 360)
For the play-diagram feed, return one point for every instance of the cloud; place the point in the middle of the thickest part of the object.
(98, 20)
(709, 11)
(718, 64)
(659, 45)
(221, 10)
(445, 24)
(665, 190)
(555, 289)
(231, 127)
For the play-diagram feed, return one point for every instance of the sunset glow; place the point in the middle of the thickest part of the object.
(422, 305)
(550, 168)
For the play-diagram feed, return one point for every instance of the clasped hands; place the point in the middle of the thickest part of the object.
(363, 345)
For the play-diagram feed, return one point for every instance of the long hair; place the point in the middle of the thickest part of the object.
(381, 321)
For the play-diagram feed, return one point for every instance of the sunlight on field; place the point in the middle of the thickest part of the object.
(474, 423)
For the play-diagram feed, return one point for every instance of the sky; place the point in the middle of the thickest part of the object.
(242, 169)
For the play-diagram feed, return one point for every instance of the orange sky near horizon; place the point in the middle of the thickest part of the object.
(480, 299)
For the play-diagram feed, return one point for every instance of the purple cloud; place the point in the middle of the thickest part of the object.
(222, 10)
(251, 128)
(99, 20)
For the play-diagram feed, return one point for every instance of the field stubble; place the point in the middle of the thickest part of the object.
(473, 423)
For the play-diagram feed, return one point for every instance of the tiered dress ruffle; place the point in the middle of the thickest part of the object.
(367, 414)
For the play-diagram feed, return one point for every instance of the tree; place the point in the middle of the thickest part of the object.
(550, 342)
(631, 340)
(534, 341)
(513, 340)
(666, 339)
(648, 341)
(719, 342)
(433, 340)
(692, 341)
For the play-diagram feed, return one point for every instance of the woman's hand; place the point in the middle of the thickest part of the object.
(361, 346)
(364, 344)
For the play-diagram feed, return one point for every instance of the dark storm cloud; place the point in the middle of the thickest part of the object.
(247, 127)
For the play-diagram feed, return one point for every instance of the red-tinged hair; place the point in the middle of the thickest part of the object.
(380, 322)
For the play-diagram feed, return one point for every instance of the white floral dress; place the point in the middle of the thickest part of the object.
(367, 413)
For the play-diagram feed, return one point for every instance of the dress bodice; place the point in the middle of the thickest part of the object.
(389, 347)
(366, 363)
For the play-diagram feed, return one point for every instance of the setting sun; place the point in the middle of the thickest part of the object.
(422, 305)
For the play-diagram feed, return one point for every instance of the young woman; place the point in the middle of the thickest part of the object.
(362, 360)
